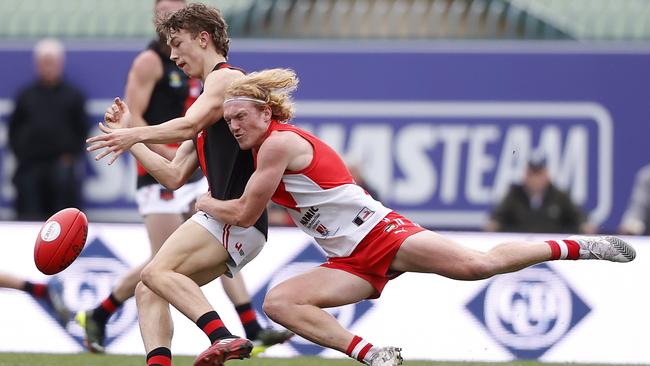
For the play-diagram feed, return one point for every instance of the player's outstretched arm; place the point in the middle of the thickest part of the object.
(171, 174)
(206, 110)
(273, 158)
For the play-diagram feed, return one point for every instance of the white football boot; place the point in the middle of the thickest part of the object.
(609, 248)
(386, 356)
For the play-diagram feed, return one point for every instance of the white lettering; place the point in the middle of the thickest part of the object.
(452, 138)
(420, 177)
(479, 162)
(573, 172)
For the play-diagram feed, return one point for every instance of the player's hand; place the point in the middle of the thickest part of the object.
(118, 115)
(113, 141)
(203, 202)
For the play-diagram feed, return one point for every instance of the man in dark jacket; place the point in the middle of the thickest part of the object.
(47, 133)
(538, 206)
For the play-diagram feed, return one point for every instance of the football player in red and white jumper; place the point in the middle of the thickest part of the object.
(367, 243)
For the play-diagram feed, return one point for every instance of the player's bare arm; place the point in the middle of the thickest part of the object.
(207, 109)
(171, 174)
(277, 154)
(145, 72)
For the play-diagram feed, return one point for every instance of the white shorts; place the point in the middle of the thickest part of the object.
(156, 199)
(242, 244)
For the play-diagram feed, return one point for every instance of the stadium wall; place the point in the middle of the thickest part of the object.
(442, 129)
(584, 312)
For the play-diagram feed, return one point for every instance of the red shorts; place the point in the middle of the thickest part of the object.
(372, 257)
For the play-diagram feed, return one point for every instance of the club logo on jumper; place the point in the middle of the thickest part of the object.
(87, 282)
(310, 220)
(529, 311)
(390, 227)
(363, 216)
(175, 80)
(309, 258)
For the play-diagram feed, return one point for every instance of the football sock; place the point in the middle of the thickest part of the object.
(211, 324)
(564, 249)
(248, 319)
(107, 307)
(360, 350)
(38, 290)
(160, 356)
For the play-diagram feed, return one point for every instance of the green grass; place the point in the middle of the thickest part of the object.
(84, 359)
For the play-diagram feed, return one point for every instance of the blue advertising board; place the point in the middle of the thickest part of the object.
(442, 130)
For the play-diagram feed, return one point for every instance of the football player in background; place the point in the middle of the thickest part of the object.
(50, 293)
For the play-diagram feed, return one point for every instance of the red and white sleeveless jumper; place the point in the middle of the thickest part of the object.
(324, 201)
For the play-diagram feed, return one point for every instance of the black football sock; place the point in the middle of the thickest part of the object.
(38, 290)
(161, 356)
(106, 308)
(211, 324)
(248, 319)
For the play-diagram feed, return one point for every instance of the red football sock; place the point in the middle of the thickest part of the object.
(359, 349)
(564, 249)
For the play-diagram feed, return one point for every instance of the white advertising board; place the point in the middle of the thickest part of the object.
(585, 311)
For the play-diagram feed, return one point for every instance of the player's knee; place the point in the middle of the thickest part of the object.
(276, 306)
(148, 275)
(142, 292)
(478, 269)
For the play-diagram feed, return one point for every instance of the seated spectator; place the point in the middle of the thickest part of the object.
(538, 206)
(636, 219)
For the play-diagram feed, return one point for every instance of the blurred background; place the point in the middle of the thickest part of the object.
(527, 116)
(443, 101)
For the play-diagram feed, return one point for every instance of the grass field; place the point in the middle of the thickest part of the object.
(84, 359)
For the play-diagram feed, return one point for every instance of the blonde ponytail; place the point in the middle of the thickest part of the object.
(273, 86)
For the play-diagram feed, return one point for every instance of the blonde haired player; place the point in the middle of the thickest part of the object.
(367, 243)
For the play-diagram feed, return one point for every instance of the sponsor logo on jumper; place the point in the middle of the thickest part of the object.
(311, 214)
(390, 227)
(310, 220)
(363, 216)
(166, 194)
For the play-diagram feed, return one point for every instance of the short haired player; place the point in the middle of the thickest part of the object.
(157, 91)
(202, 248)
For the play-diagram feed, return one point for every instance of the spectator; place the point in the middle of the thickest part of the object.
(538, 206)
(47, 132)
(636, 219)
